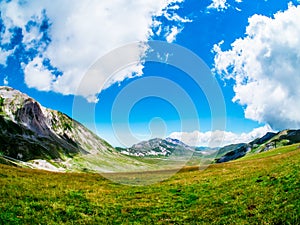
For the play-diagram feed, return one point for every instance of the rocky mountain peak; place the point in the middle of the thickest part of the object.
(32, 131)
(32, 116)
(23, 109)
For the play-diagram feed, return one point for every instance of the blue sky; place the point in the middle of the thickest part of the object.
(251, 48)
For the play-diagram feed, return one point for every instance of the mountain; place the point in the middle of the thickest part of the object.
(269, 141)
(171, 147)
(29, 131)
(35, 136)
(268, 136)
(274, 140)
(158, 147)
(228, 148)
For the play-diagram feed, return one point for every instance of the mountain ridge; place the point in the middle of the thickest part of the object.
(36, 121)
(37, 137)
(158, 147)
(267, 142)
(31, 133)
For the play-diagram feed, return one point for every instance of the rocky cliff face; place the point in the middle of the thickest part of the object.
(31, 133)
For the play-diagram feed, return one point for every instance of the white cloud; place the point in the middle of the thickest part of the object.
(37, 75)
(4, 54)
(218, 5)
(172, 16)
(265, 66)
(81, 32)
(5, 81)
(221, 5)
(219, 138)
(171, 36)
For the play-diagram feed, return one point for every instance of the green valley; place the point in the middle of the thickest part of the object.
(257, 189)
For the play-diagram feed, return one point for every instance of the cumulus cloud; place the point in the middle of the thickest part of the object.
(265, 66)
(219, 138)
(37, 75)
(79, 33)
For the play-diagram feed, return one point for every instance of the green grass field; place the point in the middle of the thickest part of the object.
(258, 189)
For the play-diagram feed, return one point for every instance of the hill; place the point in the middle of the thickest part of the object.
(267, 142)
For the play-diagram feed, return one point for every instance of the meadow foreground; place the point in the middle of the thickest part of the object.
(258, 189)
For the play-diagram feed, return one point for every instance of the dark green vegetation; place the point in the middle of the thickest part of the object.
(260, 188)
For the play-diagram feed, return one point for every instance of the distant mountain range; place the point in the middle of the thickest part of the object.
(168, 147)
(158, 147)
(36, 137)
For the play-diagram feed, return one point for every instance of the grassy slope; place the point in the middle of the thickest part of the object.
(263, 189)
(270, 153)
